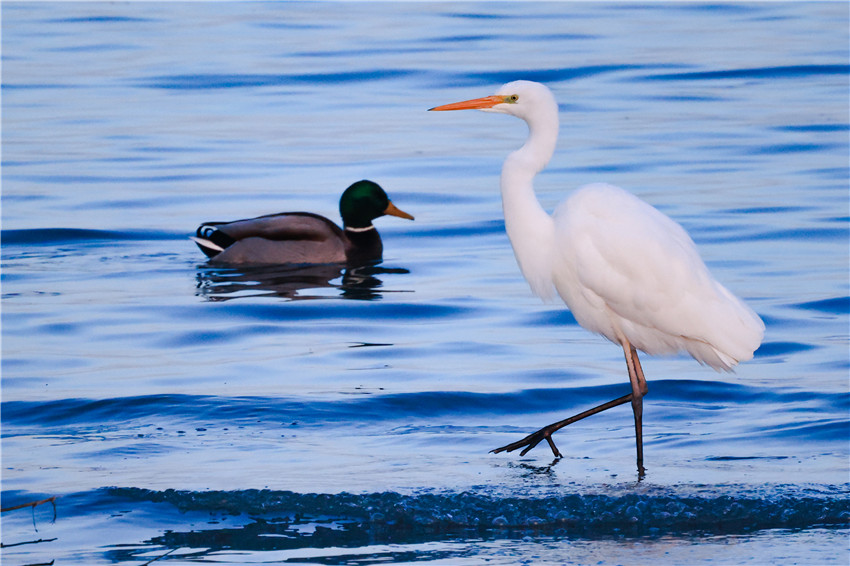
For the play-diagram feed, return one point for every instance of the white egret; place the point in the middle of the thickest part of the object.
(624, 269)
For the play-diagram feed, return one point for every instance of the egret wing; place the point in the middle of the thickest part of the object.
(626, 269)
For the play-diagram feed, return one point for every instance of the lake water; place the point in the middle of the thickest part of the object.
(185, 413)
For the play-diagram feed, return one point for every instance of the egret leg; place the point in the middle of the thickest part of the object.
(639, 389)
(534, 438)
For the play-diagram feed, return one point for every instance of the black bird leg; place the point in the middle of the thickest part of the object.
(639, 389)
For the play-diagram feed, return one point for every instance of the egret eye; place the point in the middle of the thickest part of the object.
(513, 99)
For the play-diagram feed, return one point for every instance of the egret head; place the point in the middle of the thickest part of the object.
(523, 99)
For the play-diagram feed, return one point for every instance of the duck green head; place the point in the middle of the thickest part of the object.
(364, 201)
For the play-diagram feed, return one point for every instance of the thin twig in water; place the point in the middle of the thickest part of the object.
(26, 542)
(33, 504)
(158, 557)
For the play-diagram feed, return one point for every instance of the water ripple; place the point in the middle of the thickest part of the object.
(370, 406)
(834, 305)
(544, 75)
(240, 80)
(54, 236)
(779, 72)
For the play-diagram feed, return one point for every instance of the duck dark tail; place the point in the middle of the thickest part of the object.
(211, 240)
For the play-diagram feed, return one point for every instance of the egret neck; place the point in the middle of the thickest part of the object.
(530, 228)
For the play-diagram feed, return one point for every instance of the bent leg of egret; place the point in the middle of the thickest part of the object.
(639, 389)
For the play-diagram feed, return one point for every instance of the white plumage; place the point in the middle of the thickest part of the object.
(624, 269)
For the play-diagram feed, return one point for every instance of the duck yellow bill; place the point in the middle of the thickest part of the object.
(392, 210)
(474, 104)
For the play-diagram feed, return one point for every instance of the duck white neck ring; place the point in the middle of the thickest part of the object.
(365, 229)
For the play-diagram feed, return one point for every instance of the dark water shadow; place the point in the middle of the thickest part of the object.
(293, 282)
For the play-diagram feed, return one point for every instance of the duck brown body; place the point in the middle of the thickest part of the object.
(289, 237)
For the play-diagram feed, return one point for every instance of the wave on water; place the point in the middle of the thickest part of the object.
(375, 528)
(213, 524)
(825, 417)
(391, 405)
(632, 510)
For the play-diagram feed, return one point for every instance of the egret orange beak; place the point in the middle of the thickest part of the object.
(392, 210)
(474, 104)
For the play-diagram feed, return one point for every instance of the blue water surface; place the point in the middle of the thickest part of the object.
(158, 408)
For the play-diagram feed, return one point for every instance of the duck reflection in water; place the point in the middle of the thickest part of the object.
(281, 254)
(294, 282)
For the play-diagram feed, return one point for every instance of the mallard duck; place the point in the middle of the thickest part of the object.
(304, 237)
